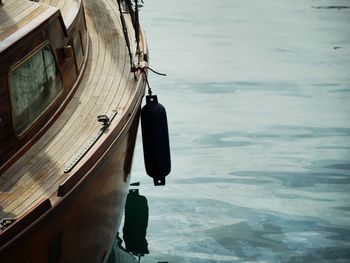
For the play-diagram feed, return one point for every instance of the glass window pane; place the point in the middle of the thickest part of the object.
(34, 85)
(78, 49)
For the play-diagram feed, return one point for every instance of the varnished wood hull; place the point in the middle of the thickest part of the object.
(70, 215)
(82, 226)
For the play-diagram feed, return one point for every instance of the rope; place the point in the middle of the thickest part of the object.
(143, 72)
(125, 31)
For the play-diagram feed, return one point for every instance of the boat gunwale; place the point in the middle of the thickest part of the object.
(88, 172)
(117, 131)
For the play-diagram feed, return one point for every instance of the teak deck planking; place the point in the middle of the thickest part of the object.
(39, 172)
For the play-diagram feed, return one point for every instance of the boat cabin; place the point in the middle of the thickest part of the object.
(36, 80)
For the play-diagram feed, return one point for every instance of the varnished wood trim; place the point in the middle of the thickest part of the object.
(119, 130)
(24, 221)
(16, 32)
(72, 15)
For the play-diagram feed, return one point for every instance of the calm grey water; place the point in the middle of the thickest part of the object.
(258, 101)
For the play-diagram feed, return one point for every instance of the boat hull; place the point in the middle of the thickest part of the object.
(82, 226)
(71, 215)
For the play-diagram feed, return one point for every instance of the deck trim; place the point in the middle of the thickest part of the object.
(27, 25)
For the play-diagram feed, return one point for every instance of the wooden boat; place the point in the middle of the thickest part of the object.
(64, 172)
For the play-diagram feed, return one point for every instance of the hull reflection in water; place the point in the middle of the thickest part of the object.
(135, 224)
(119, 254)
(134, 230)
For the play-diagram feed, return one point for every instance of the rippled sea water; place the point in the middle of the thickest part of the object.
(258, 102)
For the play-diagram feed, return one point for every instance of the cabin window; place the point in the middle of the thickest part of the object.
(34, 85)
(78, 49)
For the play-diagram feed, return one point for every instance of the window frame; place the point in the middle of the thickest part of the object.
(15, 66)
(77, 34)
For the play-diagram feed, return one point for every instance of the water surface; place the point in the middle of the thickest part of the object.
(258, 101)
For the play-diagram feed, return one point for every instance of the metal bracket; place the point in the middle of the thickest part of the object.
(6, 222)
(106, 120)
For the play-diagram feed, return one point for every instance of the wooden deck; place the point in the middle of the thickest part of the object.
(106, 86)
